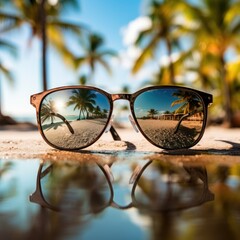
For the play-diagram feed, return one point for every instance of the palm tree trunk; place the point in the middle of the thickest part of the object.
(171, 67)
(80, 111)
(226, 93)
(44, 44)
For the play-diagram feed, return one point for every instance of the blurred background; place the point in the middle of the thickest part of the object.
(119, 46)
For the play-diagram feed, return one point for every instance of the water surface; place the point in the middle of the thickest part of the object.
(125, 197)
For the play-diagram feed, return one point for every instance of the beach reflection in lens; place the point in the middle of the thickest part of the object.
(76, 188)
(164, 188)
(171, 118)
(74, 118)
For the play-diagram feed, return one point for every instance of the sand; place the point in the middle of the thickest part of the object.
(162, 132)
(220, 145)
(85, 132)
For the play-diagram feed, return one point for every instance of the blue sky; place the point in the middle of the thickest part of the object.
(107, 17)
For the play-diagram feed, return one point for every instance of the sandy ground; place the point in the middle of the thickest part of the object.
(218, 144)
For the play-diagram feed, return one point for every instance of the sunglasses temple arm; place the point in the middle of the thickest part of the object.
(185, 116)
(114, 133)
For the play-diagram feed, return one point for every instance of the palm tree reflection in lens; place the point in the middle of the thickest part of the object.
(170, 118)
(78, 121)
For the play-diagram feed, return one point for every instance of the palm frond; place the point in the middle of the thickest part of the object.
(56, 39)
(146, 54)
(78, 62)
(67, 26)
(105, 65)
(9, 21)
(68, 4)
(6, 72)
(9, 47)
(232, 13)
(236, 29)
(179, 101)
(142, 35)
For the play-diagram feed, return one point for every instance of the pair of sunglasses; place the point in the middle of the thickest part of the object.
(88, 188)
(75, 117)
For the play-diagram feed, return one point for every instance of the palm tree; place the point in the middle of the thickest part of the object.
(97, 111)
(83, 100)
(152, 112)
(94, 54)
(48, 111)
(163, 29)
(44, 22)
(189, 103)
(216, 31)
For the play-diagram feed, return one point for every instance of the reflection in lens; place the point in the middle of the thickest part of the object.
(76, 188)
(171, 118)
(162, 189)
(74, 118)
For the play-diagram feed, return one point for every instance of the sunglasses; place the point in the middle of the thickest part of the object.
(75, 117)
(88, 188)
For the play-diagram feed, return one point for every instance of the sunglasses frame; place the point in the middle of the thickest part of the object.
(36, 100)
(200, 171)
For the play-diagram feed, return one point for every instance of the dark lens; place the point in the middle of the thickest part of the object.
(170, 118)
(165, 188)
(74, 118)
(76, 188)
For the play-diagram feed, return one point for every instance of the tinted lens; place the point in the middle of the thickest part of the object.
(76, 188)
(165, 188)
(74, 118)
(170, 118)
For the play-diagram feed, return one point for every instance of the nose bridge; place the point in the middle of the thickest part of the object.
(123, 96)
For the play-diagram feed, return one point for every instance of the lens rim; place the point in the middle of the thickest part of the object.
(204, 197)
(205, 98)
(38, 195)
(37, 100)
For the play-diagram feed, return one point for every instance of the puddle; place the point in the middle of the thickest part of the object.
(119, 197)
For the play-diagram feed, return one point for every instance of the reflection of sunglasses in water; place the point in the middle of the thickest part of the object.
(74, 117)
(87, 188)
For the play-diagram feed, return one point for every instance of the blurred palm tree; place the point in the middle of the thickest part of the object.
(82, 80)
(45, 24)
(94, 53)
(152, 112)
(164, 28)
(216, 31)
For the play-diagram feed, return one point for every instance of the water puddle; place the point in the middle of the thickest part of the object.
(123, 196)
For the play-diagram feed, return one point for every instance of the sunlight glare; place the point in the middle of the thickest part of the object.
(59, 105)
(53, 2)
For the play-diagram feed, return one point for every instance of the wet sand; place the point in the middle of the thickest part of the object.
(218, 144)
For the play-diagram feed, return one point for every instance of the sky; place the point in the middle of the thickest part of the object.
(117, 21)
